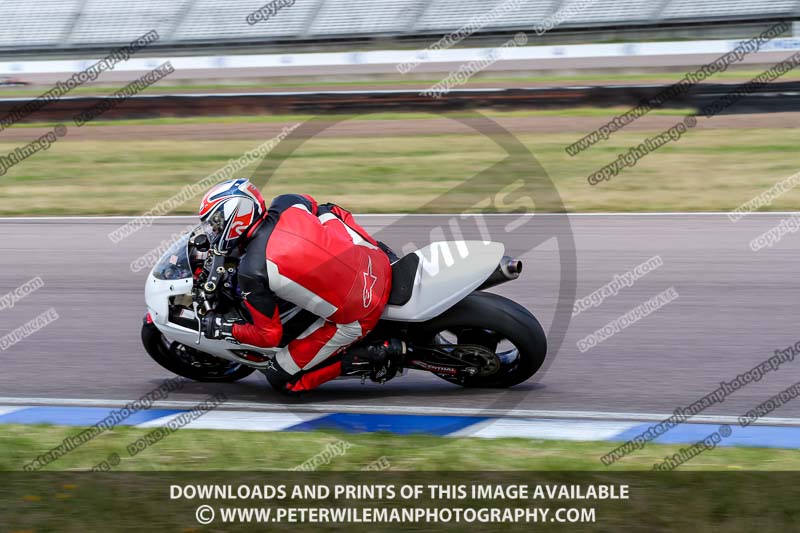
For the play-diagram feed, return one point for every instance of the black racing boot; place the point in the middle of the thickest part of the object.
(379, 361)
(280, 380)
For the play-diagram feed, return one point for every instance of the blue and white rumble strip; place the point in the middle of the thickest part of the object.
(773, 433)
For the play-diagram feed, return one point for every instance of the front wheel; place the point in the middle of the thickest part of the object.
(188, 362)
(495, 335)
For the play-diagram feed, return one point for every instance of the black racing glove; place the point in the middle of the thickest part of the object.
(218, 327)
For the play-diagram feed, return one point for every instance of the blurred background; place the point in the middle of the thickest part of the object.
(392, 88)
(548, 71)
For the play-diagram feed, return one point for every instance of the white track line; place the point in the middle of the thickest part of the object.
(392, 409)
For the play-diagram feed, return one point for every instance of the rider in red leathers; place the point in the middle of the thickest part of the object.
(316, 257)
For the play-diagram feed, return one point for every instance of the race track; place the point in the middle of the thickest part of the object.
(735, 308)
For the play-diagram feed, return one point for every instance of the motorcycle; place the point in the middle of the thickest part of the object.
(438, 306)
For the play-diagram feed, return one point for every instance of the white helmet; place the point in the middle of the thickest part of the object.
(229, 211)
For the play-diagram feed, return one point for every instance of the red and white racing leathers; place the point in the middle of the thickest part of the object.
(320, 259)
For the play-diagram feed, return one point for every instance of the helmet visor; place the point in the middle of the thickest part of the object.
(213, 227)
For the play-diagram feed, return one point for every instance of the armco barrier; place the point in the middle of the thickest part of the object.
(784, 96)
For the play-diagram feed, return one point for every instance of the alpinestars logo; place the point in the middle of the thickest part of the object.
(369, 283)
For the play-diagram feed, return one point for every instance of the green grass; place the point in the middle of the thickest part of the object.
(725, 489)
(233, 450)
(706, 170)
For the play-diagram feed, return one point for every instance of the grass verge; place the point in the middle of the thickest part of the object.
(722, 491)
(193, 450)
(706, 170)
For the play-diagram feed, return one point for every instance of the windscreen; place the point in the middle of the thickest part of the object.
(174, 264)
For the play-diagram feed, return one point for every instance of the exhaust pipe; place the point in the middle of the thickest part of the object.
(509, 269)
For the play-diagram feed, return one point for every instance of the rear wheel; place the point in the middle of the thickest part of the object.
(187, 362)
(501, 340)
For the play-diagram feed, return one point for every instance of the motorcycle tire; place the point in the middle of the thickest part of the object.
(485, 315)
(203, 367)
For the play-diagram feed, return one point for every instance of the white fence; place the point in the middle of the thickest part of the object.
(394, 57)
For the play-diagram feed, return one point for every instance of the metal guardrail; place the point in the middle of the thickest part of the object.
(784, 96)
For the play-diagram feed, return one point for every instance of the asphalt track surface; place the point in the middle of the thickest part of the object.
(735, 307)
